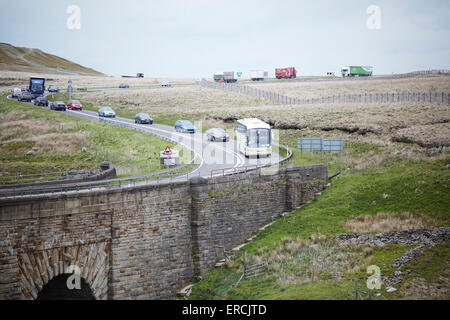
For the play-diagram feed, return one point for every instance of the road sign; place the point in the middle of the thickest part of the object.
(167, 150)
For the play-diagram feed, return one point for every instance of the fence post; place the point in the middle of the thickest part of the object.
(321, 148)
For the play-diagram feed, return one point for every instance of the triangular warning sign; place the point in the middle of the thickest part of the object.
(167, 150)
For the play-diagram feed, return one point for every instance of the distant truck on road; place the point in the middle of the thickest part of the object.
(227, 76)
(258, 75)
(285, 73)
(138, 75)
(357, 71)
(37, 87)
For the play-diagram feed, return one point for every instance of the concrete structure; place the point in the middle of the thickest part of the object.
(142, 242)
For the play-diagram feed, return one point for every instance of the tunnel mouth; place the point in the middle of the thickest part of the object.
(57, 289)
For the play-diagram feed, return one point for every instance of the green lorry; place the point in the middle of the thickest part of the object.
(357, 71)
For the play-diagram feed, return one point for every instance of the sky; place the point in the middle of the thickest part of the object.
(196, 38)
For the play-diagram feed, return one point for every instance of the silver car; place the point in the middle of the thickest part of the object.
(217, 134)
(106, 112)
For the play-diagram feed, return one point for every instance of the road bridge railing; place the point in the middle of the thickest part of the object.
(177, 174)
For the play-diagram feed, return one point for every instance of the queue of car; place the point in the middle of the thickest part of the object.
(183, 126)
(58, 106)
(25, 96)
(217, 134)
(143, 118)
(41, 101)
(74, 105)
(106, 112)
(53, 88)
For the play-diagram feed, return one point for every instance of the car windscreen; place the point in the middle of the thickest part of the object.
(144, 116)
(258, 138)
(76, 101)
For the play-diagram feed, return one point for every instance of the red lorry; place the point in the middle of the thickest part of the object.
(285, 73)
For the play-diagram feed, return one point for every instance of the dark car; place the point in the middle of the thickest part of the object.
(184, 126)
(74, 105)
(217, 134)
(53, 88)
(82, 87)
(124, 85)
(143, 118)
(58, 105)
(106, 112)
(41, 101)
(25, 96)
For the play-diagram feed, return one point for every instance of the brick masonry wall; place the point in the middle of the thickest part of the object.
(226, 210)
(142, 242)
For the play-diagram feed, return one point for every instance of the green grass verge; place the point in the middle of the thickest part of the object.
(411, 186)
(131, 152)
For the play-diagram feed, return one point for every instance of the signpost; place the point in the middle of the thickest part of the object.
(322, 145)
(70, 89)
(169, 157)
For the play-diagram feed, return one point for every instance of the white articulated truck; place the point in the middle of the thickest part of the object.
(258, 75)
(357, 71)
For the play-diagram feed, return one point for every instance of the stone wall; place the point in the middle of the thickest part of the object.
(141, 242)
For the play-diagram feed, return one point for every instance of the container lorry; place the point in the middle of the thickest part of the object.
(227, 76)
(357, 71)
(37, 87)
(285, 73)
(258, 75)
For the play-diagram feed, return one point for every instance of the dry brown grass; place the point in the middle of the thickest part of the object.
(386, 222)
(317, 89)
(11, 79)
(294, 260)
(44, 135)
(59, 142)
(420, 289)
(433, 135)
(178, 99)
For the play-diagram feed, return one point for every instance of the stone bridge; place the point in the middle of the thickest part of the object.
(139, 242)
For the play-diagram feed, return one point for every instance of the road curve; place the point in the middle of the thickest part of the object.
(213, 158)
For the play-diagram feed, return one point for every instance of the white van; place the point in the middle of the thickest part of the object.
(16, 92)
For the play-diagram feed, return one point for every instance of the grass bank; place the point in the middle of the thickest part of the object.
(419, 188)
(58, 142)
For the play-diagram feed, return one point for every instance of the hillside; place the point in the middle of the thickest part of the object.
(34, 60)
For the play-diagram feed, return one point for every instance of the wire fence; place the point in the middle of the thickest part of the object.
(387, 97)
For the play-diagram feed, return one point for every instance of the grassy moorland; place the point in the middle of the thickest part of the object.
(316, 89)
(395, 195)
(393, 176)
(57, 142)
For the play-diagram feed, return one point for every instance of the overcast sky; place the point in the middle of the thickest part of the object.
(195, 38)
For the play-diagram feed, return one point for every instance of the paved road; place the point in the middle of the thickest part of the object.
(214, 158)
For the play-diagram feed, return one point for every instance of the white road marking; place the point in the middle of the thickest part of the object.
(236, 155)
